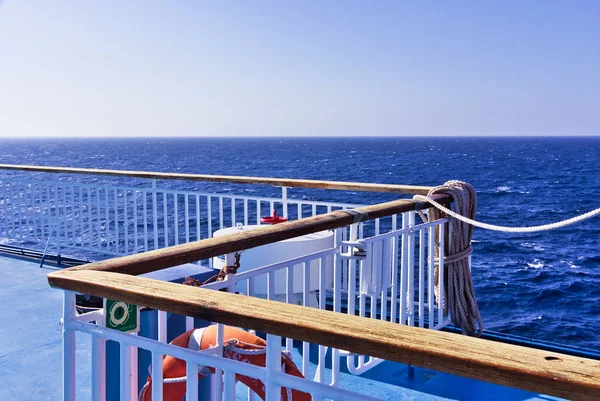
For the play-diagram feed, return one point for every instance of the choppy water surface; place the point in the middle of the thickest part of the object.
(544, 285)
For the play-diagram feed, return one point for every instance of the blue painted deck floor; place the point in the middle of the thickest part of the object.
(30, 336)
(31, 353)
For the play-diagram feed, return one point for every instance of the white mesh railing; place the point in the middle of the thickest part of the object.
(95, 221)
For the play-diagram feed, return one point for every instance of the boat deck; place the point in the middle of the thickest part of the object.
(31, 353)
(30, 333)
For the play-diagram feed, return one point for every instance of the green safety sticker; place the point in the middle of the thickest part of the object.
(121, 316)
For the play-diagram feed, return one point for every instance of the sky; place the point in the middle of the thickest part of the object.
(309, 68)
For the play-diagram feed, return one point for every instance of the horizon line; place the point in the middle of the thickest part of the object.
(26, 137)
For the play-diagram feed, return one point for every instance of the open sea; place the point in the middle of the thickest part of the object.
(544, 285)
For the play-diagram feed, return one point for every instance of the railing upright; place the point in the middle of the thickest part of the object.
(431, 273)
(284, 201)
(68, 337)
(198, 219)
(441, 300)
(187, 217)
(176, 216)
(422, 278)
(165, 220)
(411, 268)
(155, 214)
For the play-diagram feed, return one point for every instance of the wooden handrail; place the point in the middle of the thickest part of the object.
(208, 248)
(530, 369)
(278, 182)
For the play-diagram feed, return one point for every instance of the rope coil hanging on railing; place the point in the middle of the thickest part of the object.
(460, 294)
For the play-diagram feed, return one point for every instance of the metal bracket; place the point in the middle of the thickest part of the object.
(356, 250)
(357, 217)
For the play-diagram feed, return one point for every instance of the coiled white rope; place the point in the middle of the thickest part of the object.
(459, 299)
(493, 227)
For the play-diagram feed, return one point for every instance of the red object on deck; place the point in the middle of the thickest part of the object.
(273, 219)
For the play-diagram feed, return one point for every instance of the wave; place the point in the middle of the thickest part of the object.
(533, 245)
(571, 264)
(537, 264)
(589, 259)
(504, 190)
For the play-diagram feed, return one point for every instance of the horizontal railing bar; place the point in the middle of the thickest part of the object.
(279, 182)
(148, 190)
(514, 366)
(259, 271)
(204, 357)
(208, 359)
(401, 231)
(208, 248)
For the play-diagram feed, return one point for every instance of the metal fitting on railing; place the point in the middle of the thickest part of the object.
(356, 250)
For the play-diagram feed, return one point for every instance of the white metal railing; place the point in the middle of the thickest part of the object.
(392, 280)
(389, 276)
(271, 374)
(98, 220)
(381, 269)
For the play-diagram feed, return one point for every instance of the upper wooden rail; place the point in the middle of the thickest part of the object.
(278, 182)
(530, 369)
(208, 248)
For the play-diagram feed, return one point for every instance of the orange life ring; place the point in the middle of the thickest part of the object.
(201, 339)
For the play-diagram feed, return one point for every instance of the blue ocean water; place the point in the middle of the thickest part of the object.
(544, 285)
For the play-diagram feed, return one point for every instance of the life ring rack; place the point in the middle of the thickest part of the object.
(275, 219)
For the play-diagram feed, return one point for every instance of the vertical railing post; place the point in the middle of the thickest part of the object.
(17, 212)
(165, 220)
(217, 378)
(191, 382)
(107, 217)
(176, 216)
(26, 204)
(337, 301)
(135, 222)
(3, 201)
(98, 368)
(230, 261)
(403, 270)
(284, 201)
(145, 214)
(162, 326)
(116, 213)
(430, 274)
(125, 220)
(187, 218)
(411, 269)
(155, 214)
(98, 218)
(157, 376)
(273, 366)
(133, 374)
(125, 372)
(68, 342)
(57, 222)
(441, 283)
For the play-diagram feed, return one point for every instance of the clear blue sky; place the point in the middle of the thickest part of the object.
(143, 68)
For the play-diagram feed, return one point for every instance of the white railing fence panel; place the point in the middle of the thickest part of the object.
(389, 275)
(271, 375)
(95, 221)
(378, 277)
